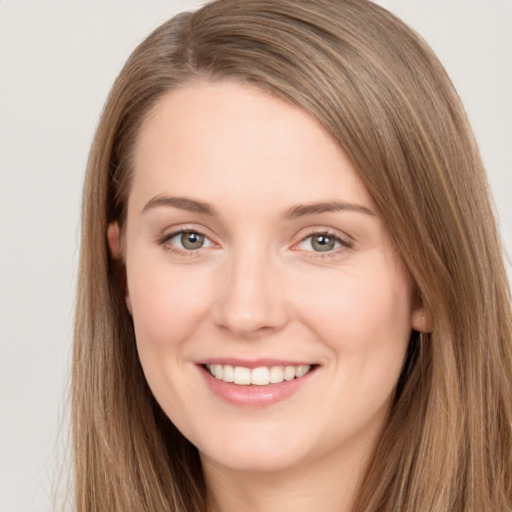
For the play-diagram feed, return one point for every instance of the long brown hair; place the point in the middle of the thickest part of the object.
(385, 98)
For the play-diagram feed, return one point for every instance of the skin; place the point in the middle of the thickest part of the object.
(259, 288)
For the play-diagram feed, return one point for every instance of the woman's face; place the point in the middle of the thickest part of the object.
(253, 251)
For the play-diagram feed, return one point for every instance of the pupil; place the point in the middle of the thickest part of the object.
(191, 240)
(322, 243)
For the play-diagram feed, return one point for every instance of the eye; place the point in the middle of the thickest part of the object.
(188, 240)
(321, 242)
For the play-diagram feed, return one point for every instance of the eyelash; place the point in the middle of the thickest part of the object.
(164, 239)
(344, 244)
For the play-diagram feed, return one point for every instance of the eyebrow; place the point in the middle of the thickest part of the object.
(183, 203)
(301, 210)
(325, 207)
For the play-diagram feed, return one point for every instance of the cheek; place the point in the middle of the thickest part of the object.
(168, 309)
(364, 319)
(363, 312)
(167, 306)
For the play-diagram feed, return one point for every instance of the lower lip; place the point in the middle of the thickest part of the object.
(253, 395)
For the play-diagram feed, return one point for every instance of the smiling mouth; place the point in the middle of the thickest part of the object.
(261, 376)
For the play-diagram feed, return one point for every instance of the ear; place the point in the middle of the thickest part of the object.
(114, 244)
(114, 240)
(128, 301)
(421, 318)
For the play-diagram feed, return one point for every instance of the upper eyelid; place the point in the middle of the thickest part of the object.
(345, 241)
(342, 243)
(176, 230)
(167, 236)
(318, 230)
(302, 235)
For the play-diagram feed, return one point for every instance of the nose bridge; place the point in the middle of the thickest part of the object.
(251, 300)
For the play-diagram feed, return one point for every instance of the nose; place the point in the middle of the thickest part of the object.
(252, 300)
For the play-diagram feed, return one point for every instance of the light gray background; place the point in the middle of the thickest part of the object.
(57, 62)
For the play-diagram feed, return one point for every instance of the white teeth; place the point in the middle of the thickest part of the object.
(260, 376)
(289, 373)
(302, 370)
(217, 371)
(228, 374)
(242, 376)
(276, 374)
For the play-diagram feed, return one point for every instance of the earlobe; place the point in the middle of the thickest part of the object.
(128, 301)
(114, 244)
(114, 240)
(422, 320)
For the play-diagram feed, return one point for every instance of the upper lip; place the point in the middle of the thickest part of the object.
(252, 363)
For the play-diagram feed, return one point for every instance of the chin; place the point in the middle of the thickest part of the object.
(259, 453)
(253, 462)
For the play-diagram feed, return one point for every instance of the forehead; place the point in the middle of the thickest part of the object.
(224, 137)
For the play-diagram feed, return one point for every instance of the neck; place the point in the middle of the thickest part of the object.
(327, 485)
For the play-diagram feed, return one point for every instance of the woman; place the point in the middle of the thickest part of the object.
(291, 287)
